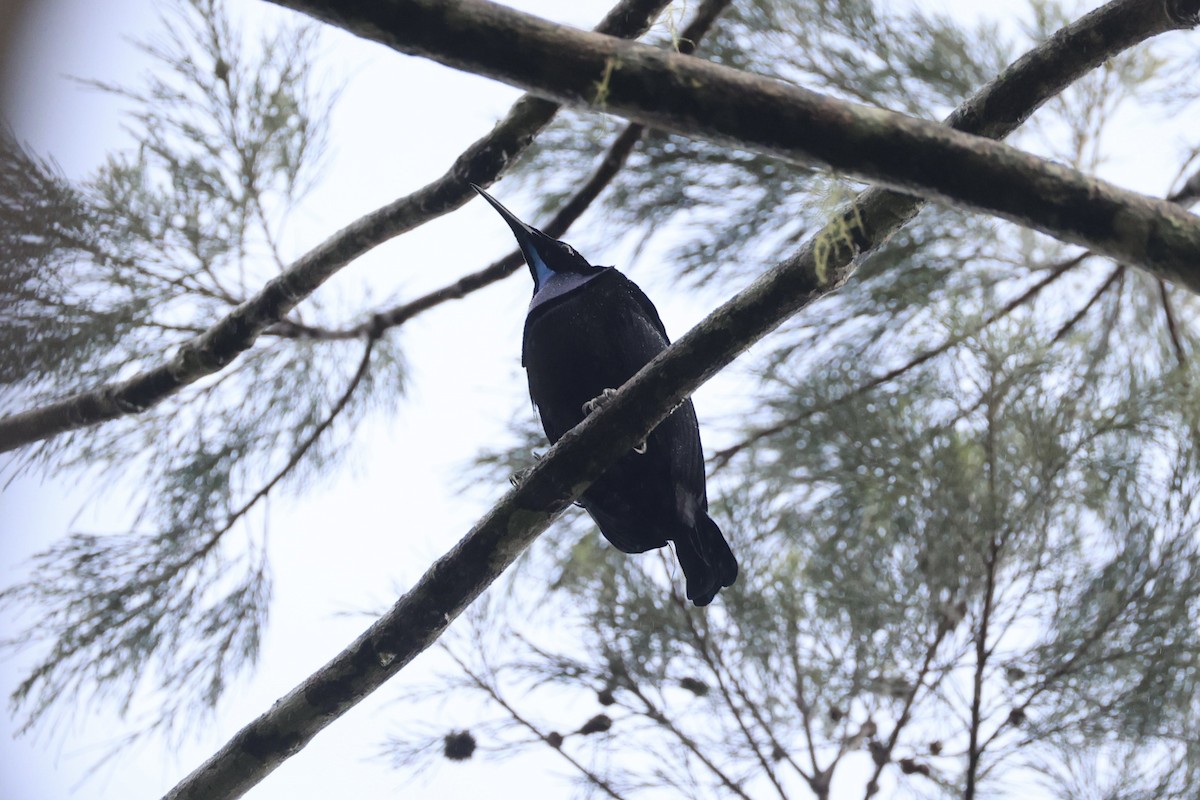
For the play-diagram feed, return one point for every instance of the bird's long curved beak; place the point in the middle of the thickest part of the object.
(523, 232)
(527, 239)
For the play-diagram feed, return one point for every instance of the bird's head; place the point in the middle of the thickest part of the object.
(544, 255)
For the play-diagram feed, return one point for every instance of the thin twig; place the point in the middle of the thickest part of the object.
(656, 715)
(991, 565)
(713, 661)
(1113, 277)
(910, 698)
(1172, 325)
(491, 692)
(1102, 626)
(309, 441)
(777, 748)
(803, 705)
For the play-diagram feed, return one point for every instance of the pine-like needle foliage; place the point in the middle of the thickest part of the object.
(105, 277)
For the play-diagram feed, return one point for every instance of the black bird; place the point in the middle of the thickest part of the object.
(588, 330)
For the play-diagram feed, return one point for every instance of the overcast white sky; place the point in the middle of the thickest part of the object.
(399, 123)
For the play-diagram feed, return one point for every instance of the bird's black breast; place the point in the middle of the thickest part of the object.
(581, 342)
(596, 337)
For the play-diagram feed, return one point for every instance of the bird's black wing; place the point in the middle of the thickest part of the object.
(684, 430)
(644, 303)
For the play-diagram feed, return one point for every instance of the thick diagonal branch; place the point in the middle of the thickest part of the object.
(693, 97)
(456, 579)
(217, 347)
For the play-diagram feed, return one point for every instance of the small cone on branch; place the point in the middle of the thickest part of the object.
(597, 724)
(909, 767)
(458, 745)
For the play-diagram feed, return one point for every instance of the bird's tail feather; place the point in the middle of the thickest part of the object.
(708, 563)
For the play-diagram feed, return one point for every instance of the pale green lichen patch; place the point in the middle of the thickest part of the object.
(833, 237)
(602, 85)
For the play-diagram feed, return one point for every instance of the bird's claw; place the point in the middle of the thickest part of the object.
(597, 402)
(517, 477)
